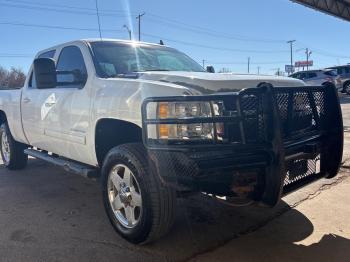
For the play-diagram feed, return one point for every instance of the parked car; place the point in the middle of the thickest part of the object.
(319, 77)
(344, 73)
(150, 122)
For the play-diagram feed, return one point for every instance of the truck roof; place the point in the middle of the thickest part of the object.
(92, 40)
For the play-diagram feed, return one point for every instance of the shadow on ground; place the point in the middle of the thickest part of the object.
(48, 214)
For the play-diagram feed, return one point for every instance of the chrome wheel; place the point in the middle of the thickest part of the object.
(5, 147)
(347, 89)
(124, 196)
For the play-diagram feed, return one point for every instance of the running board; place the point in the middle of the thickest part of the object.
(66, 164)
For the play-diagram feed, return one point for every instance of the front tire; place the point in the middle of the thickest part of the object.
(140, 208)
(12, 152)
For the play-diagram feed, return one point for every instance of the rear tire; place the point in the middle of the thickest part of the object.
(346, 88)
(12, 152)
(156, 202)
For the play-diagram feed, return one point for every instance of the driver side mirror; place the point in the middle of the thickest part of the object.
(210, 69)
(45, 73)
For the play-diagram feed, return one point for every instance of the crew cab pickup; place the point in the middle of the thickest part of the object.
(152, 124)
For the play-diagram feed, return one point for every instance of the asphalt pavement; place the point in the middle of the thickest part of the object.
(47, 214)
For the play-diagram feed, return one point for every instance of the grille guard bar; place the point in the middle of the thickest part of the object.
(278, 120)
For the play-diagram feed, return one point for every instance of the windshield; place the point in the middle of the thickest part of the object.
(112, 59)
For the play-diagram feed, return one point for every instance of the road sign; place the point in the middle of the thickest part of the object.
(304, 63)
(289, 69)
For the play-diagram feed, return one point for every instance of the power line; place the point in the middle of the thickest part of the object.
(57, 27)
(203, 29)
(217, 48)
(60, 6)
(156, 18)
(174, 23)
(324, 53)
(39, 8)
(149, 35)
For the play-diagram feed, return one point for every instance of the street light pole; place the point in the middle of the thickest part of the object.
(308, 53)
(139, 18)
(128, 29)
(248, 65)
(291, 54)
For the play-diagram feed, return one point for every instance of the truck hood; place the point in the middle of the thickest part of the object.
(208, 83)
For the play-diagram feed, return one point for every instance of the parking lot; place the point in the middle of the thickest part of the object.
(47, 214)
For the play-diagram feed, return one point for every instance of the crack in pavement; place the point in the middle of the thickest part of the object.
(324, 186)
(344, 174)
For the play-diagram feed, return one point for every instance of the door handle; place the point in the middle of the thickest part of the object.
(50, 103)
(26, 100)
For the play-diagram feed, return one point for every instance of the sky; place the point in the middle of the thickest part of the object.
(223, 33)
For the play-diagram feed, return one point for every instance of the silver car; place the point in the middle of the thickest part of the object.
(319, 77)
(344, 73)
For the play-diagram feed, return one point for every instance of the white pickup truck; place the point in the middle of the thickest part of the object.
(151, 123)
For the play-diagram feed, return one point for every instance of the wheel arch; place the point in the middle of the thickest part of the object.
(328, 83)
(3, 118)
(110, 132)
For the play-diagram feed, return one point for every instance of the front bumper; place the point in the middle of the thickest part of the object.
(287, 137)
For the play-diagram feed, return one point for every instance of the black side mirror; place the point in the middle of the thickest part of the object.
(45, 73)
(210, 69)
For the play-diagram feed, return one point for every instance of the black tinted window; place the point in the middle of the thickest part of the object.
(331, 73)
(295, 75)
(340, 71)
(302, 76)
(312, 75)
(71, 59)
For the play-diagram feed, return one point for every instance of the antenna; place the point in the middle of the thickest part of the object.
(98, 19)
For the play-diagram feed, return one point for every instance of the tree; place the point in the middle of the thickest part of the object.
(13, 78)
(3, 76)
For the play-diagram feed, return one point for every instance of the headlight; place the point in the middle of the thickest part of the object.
(185, 110)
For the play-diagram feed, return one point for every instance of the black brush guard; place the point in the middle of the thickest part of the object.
(286, 136)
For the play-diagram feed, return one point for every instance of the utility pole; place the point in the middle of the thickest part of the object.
(139, 18)
(258, 70)
(291, 54)
(128, 29)
(308, 54)
(203, 63)
(248, 65)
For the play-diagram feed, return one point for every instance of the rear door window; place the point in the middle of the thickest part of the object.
(312, 75)
(331, 73)
(340, 70)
